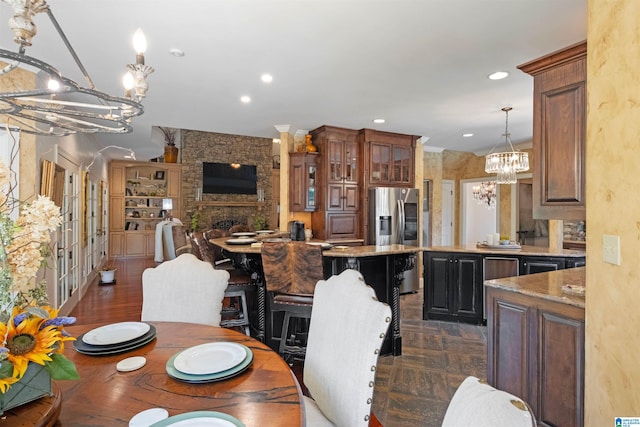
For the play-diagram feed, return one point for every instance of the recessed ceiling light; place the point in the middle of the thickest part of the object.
(267, 78)
(246, 99)
(176, 52)
(378, 121)
(498, 75)
(467, 135)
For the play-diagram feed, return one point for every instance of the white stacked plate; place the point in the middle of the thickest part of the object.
(323, 245)
(261, 232)
(115, 338)
(209, 362)
(244, 234)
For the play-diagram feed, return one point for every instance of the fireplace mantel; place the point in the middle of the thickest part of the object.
(222, 203)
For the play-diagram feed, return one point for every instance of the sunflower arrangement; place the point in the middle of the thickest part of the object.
(30, 330)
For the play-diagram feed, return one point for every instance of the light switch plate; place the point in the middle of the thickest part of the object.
(611, 249)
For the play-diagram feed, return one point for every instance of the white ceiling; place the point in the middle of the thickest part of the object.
(420, 64)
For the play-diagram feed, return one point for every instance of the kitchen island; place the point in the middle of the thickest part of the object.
(453, 275)
(535, 342)
(381, 266)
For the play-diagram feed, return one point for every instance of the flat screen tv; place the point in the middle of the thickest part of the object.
(222, 178)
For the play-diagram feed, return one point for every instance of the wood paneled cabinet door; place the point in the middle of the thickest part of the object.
(342, 175)
(302, 182)
(338, 184)
(535, 350)
(559, 133)
(390, 164)
(453, 287)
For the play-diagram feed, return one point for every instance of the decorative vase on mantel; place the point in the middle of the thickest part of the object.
(170, 153)
(35, 383)
(170, 150)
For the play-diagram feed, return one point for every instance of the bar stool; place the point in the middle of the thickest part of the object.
(236, 313)
(291, 271)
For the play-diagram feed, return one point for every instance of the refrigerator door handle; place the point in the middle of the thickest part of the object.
(400, 222)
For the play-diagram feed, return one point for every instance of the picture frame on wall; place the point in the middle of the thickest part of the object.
(159, 175)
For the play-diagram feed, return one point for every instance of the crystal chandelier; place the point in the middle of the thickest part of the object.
(509, 162)
(65, 107)
(485, 193)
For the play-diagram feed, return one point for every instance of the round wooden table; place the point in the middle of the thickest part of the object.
(266, 394)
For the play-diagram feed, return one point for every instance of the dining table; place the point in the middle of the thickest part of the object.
(267, 393)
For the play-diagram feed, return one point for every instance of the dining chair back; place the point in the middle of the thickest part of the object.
(184, 289)
(235, 310)
(291, 271)
(201, 247)
(348, 326)
(476, 403)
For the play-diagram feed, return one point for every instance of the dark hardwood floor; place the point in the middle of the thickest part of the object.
(411, 390)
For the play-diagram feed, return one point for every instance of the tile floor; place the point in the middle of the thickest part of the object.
(414, 389)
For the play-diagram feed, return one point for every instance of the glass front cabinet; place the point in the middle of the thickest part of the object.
(302, 182)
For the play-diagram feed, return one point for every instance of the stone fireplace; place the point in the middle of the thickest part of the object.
(199, 147)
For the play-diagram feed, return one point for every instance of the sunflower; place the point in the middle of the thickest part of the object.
(28, 342)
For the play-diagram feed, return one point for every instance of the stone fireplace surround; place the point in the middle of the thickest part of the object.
(198, 147)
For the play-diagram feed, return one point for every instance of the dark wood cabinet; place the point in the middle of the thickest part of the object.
(536, 351)
(454, 281)
(338, 184)
(389, 161)
(559, 132)
(302, 182)
(453, 287)
(389, 158)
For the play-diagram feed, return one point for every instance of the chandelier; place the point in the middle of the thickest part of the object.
(509, 162)
(485, 193)
(65, 107)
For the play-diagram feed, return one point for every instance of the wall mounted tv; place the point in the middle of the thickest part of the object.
(222, 178)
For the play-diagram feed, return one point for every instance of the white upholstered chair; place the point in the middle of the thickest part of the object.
(184, 289)
(348, 325)
(477, 404)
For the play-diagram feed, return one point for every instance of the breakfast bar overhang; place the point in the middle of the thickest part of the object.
(381, 266)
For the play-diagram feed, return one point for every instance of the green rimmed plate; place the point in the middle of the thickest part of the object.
(207, 378)
(200, 419)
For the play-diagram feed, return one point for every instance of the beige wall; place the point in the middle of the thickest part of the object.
(612, 384)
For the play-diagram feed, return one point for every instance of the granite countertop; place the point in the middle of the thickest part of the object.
(547, 286)
(525, 250)
(336, 251)
(370, 250)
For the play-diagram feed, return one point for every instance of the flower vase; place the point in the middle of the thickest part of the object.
(107, 276)
(35, 383)
(170, 154)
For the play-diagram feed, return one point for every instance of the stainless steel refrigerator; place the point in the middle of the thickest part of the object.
(393, 218)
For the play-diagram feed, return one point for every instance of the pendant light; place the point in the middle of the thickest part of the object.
(508, 163)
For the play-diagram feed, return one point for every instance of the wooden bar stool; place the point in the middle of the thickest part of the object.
(236, 313)
(291, 271)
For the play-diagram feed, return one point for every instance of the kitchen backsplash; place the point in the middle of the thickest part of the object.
(575, 231)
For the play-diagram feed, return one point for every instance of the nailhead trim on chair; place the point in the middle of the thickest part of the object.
(366, 417)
